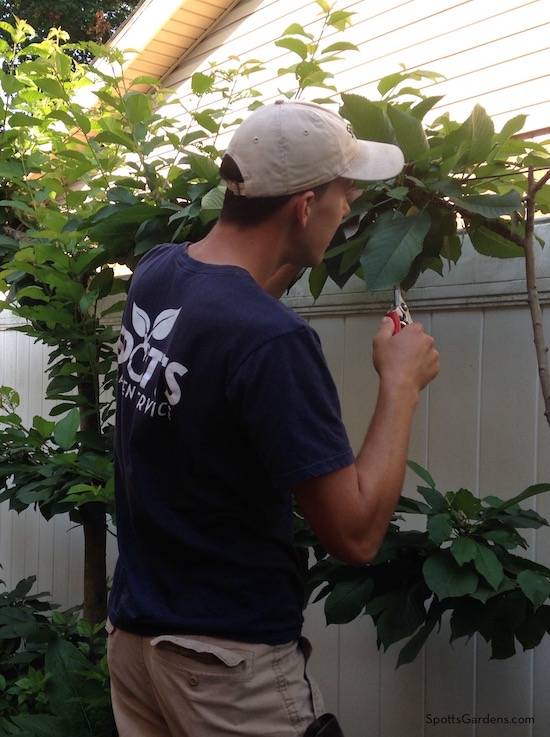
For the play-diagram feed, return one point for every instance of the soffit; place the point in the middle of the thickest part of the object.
(159, 33)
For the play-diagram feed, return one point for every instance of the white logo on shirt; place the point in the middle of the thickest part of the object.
(144, 359)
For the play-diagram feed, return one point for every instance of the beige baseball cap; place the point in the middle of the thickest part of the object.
(288, 147)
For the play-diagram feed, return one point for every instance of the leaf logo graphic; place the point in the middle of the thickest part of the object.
(140, 321)
(163, 324)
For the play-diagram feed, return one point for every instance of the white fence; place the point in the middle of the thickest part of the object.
(480, 426)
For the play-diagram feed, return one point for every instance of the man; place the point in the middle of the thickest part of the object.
(226, 409)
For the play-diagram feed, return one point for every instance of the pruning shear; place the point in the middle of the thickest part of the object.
(399, 311)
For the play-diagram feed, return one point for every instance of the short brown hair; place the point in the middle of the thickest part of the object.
(250, 211)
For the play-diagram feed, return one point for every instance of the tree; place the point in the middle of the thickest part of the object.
(83, 20)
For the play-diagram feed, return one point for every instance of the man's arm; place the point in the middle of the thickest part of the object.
(350, 509)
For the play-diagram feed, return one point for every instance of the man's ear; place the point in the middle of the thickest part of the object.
(302, 207)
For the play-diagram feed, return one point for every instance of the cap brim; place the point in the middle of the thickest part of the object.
(376, 161)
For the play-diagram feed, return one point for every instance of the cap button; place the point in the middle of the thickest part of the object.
(279, 102)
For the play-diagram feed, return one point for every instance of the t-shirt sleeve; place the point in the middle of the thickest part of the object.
(287, 401)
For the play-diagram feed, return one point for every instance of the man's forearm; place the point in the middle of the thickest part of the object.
(381, 462)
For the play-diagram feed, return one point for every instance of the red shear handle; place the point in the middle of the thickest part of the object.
(396, 321)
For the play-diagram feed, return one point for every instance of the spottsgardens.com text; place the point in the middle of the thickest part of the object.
(466, 718)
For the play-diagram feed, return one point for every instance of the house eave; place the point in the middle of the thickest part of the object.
(155, 42)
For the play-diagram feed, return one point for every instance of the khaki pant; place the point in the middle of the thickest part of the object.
(198, 686)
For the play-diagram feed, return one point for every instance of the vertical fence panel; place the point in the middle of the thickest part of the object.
(479, 425)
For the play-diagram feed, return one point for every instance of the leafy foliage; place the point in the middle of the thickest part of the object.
(313, 55)
(83, 20)
(457, 176)
(45, 465)
(461, 563)
(53, 670)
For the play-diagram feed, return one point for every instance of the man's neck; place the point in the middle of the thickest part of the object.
(258, 250)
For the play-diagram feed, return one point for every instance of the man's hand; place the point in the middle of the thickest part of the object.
(408, 357)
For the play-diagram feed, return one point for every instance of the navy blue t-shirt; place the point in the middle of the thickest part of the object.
(224, 402)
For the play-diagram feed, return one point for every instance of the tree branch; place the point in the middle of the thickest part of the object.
(532, 291)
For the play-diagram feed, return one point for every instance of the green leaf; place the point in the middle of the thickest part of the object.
(40, 725)
(347, 599)
(32, 293)
(467, 617)
(413, 506)
(484, 591)
(474, 139)
(446, 578)
(528, 519)
(119, 138)
(410, 134)
(66, 429)
(201, 83)
(390, 81)
(120, 223)
(295, 29)
(413, 647)
(22, 120)
(529, 492)
(398, 613)
(489, 566)
(204, 168)
(70, 690)
(340, 19)
(394, 242)
(44, 427)
(340, 46)
(439, 528)
(205, 119)
(317, 279)
(488, 243)
(295, 45)
(137, 106)
(535, 586)
(507, 538)
(424, 106)
(532, 629)
(435, 499)
(464, 501)
(368, 120)
(491, 206)
(211, 204)
(419, 471)
(83, 121)
(463, 550)
(63, 116)
(145, 79)
(514, 125)
(52, 88)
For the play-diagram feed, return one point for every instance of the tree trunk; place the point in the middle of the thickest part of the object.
(94, 519)
(95, 565)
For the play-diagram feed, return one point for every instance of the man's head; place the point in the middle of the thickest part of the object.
(288, 147)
